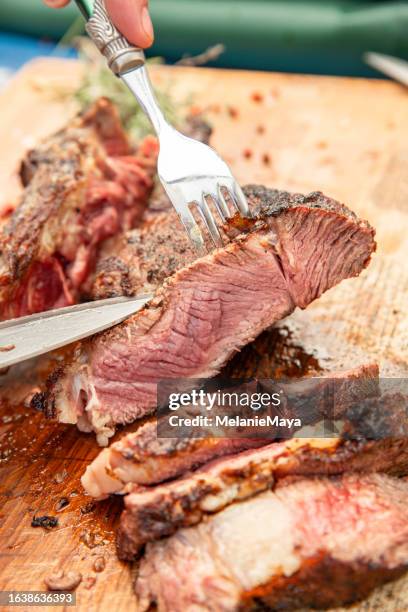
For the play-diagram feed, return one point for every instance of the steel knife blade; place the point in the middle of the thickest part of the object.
(33, 335)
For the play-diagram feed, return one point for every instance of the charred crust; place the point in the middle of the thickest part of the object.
(321, 583)
(45, 400)
(157, 261)
(54, 377)
(272, 202)
(39, 402)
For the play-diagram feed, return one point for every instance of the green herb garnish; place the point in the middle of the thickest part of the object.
(99, 81)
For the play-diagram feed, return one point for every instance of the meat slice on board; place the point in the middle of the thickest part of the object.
(317, 543)
(143, 458)
(152, 513)
(296, 248)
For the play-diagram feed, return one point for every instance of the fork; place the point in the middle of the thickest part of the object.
(193, 175)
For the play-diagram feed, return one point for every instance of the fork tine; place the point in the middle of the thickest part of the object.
(240, 201)
(192, 229)
(222, 205)
(209, 219)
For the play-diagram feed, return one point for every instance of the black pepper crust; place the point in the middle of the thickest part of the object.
(160, 247)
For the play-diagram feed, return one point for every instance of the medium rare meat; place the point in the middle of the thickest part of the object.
(297, 248)
(152, 513)
(82, 186)
(314, 543)
(143, 458)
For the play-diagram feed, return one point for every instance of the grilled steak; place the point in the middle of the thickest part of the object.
(143, 458)
(313, 543)
(297, 248)
(144, 258)
(82, 186)
(152, 513)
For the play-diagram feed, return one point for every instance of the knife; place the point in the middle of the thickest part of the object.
(34, 335)
(393, 67)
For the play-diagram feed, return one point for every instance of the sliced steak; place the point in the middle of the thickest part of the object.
(143, 458)
(313, 543)
(297, 248)
(82, 186)
(152, 513)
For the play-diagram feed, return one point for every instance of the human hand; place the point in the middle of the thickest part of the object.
(131, 17)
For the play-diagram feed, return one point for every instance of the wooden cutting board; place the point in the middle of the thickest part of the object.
(346, 137)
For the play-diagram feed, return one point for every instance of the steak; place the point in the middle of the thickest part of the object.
(82, 186)
(144, 258)
(296, 248)
(152, 513)
(314, 543)
(143, 458)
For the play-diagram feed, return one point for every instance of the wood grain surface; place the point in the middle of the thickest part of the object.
(346, 137)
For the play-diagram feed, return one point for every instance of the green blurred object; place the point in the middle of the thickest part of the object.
(327, 37)
(86, 7)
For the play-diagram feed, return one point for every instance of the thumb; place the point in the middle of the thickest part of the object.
(132, 19)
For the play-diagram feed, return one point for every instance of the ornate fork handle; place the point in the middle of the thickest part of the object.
(121, 55)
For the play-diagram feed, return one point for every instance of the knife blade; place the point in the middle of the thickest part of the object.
(34, 335)
(393, 67)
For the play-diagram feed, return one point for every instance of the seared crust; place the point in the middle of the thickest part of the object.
(20, 242)
(148, 255)
(145, 257)
(321, 583)
(272, 202)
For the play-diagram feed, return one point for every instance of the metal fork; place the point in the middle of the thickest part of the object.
(192, 173)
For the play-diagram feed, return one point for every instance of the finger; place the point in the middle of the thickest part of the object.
(56, 3)
(132, 19)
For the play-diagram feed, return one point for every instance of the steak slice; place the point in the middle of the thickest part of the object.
(297, 248)
(82, 186)
(313, 543)
(143, 458)
(152, 513)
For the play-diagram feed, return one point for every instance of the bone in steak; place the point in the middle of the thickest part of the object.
(142, 458)
(82, 186)
(313, 543)
(297, 248)
(152, 513)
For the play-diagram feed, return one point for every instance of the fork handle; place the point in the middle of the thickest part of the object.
(121, 55)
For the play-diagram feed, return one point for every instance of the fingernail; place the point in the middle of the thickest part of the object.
(147, 24)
